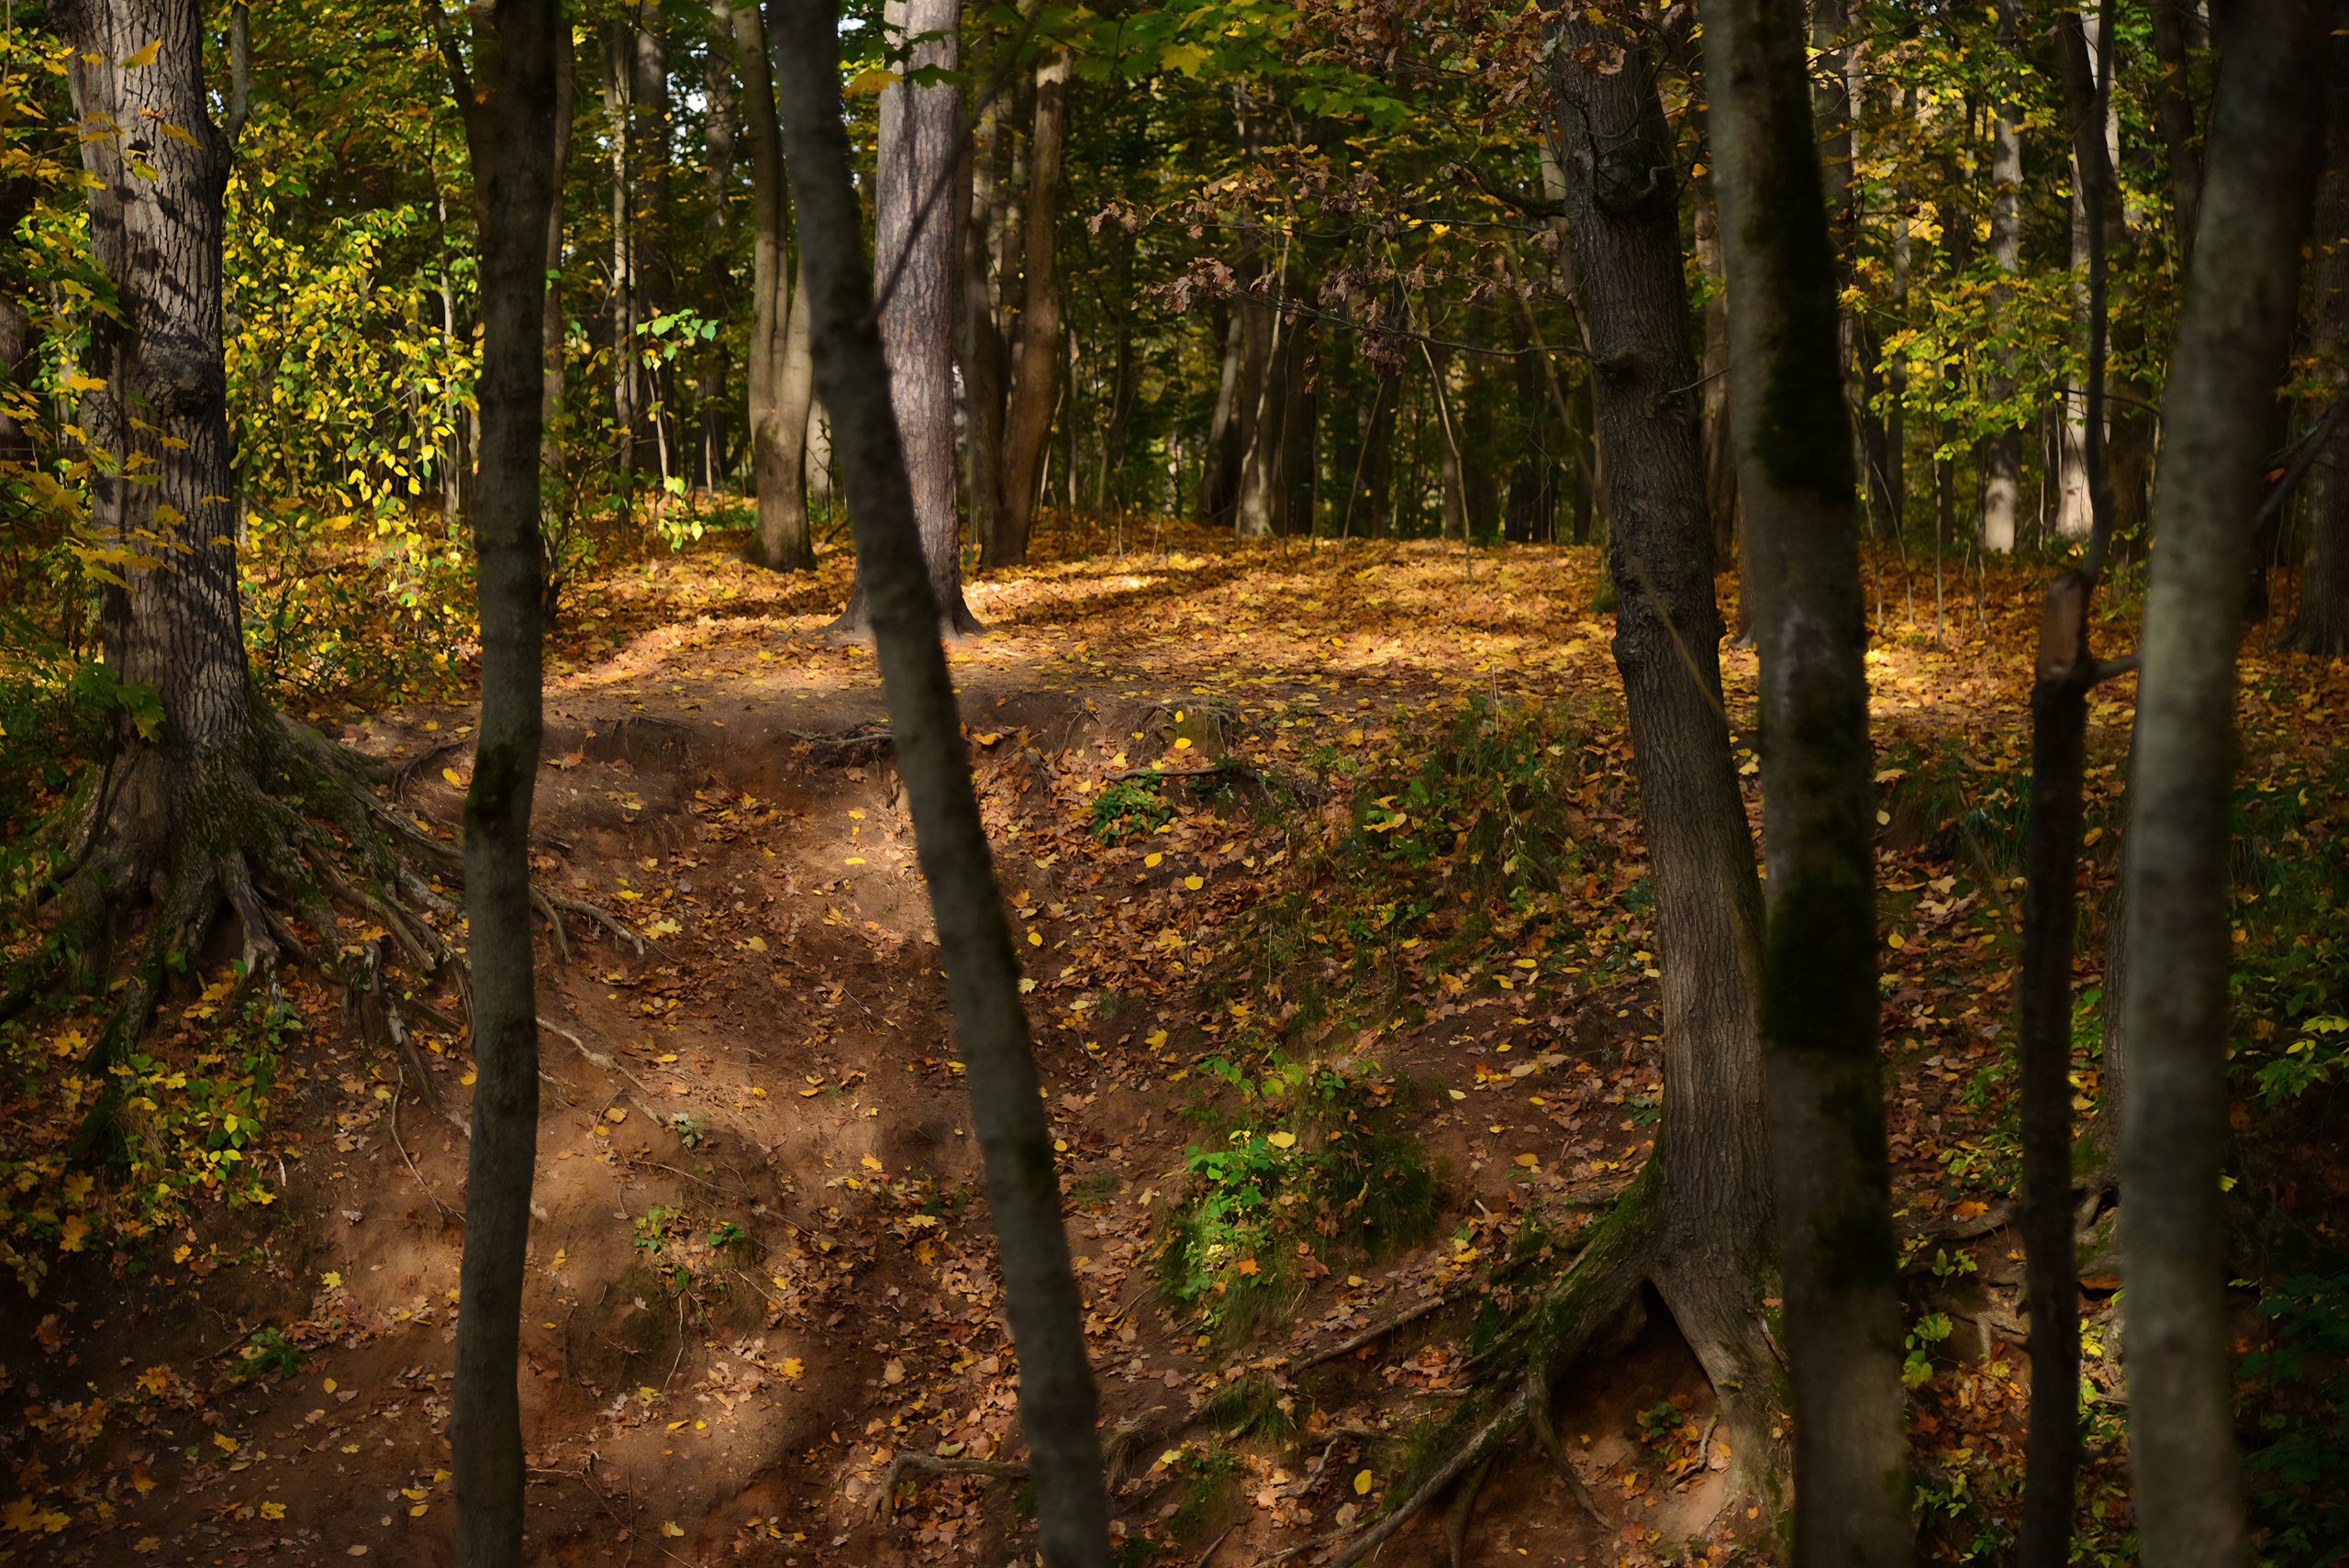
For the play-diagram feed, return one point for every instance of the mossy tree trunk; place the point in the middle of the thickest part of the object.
(2235, 334)
(1820, 1007)
(1058, 1403)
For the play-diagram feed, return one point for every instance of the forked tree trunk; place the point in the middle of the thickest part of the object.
(781, 543)
(1028, 422)
(2235, 332)
(157, 430)
(1058, 1405)
(1819, 1033)
(509, 129)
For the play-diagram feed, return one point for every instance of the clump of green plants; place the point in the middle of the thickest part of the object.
(1318, 1166)
(2295, 1386)
(172, 1127)
(1255, 1404)
(1129, 808)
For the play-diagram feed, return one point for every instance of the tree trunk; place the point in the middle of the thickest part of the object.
(1721, 450)
(656, 284)
(160, 413)
(511, 131)
(619, 115)
(1219, 492)
(717, 130)
(1028, 422)
(2074, 512)
(781, 543)
(1820, 1034)
(913, 259)
(2002, 450)
(1705, 1198)
(2323, 623)
(553, 328)
(2174, 112)
(1058, 1405)
(2234, 333)
(984, 370)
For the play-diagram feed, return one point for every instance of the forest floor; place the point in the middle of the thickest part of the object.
(762, 1272)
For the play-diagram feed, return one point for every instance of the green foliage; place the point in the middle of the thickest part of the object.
(182, 1120)
(2295, 1391)
(1320, 1168)
(268, 1354)
(1916, 1368)
(1131, 808)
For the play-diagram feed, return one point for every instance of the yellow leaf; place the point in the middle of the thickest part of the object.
(75, 1231)
(272, 1510)
(1195, 882)
(1282, 1140)
(1363, 1483)
(1527, 964)
(330, 1279)
(469, 1077)
(413, 1493)
(858, 815)
(450, 775)
(144, 58)
(1034, 940)
(1151, 859)
(224, 1442)
(792, 1367)
(1530, 1162)
(329, 1385)
(870, 1163)
(854, 860)
(1181, 742)
(670, 1526)
(417, 1511)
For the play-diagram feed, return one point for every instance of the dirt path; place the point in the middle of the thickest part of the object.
(762, 1272)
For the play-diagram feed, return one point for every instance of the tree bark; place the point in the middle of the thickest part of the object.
(913, 257)
(1819, 1031)
(173, 622)
(2174, 112)
(656, 283)
(2322, 625)
(619, 82)
(2079, 49)
(1028, 422)
(718, 145)
(553, 329)
(2235, 332)
(1057, 1401)
(984, 367)
(781, 543)
(1720, 449)
(1706, 1219)
(511, 131)
(2002, 450)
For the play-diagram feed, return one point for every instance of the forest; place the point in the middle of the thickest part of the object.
(1213, 785)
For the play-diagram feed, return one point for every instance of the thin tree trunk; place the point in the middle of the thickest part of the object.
(2234, 333)
(1720, 449)
(1058, 1405)
(1820, 1034)
(781, 543)
(718, 109)
(656, 284)
(619, 80)
(984, 370)
(1217, 494)
(2174, 112)
(2080, 49)
(2002, 450)
(1029, 418)
(2323, 623)
(511, 132)
(552, 326)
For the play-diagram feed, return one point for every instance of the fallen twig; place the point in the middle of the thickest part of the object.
(411, 1163)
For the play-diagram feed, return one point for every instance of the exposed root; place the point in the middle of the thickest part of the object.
(1537, 1409)
(278, 832)
(1488, 1440)
(1463, 1507)
(883, 1501)
(1376, 1332)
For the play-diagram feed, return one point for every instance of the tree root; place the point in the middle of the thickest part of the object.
(279, 833)
(1381, 1330)
(885, 1507)
(1463, 1507)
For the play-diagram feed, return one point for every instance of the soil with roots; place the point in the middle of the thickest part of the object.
(761, 1301)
